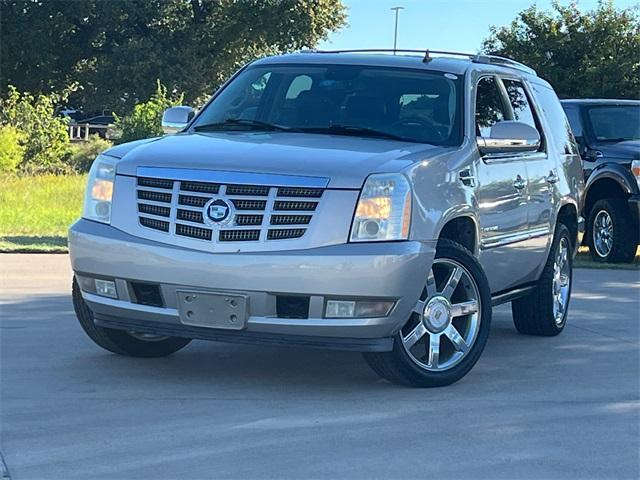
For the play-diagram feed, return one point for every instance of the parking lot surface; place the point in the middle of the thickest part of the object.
(563, 407)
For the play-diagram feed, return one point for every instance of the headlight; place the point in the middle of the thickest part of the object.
(384, 209)
(97, 199)
(635, 168)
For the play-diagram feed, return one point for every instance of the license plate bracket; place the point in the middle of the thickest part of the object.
(213, 310)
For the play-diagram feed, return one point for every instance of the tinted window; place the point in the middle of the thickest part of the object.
(489, 106)
(573, 115)
(615, 123)
(522, 111)
(414, 105)
(559, 133)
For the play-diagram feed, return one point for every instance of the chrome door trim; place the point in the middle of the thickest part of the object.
(503, 240)
(520, 156)
(226, 177)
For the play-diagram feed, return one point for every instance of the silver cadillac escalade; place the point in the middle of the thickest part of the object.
(379, 203)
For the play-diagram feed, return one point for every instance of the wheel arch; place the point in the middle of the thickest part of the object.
(568, 216)
(462, 229)
(608, 181)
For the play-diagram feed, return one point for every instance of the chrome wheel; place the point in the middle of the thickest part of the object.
(603, 233)
(561, 281)
(147, 337)
(446, 318)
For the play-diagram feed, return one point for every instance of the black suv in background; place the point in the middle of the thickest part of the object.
(608, 133)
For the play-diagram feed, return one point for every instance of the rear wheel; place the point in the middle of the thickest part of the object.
(544, 311)
(613, 233)
(122, 342)
(448, 329)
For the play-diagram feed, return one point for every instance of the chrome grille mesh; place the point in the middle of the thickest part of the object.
(156, 210)
(256, 213)
(189, 216)
(250, 204)
(199, 187)
(154, 223)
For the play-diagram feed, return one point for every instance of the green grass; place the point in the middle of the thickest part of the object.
(583, 260)
(35, 212)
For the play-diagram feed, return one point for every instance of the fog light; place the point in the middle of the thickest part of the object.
(340, 309)
(357, 309)
(373, 309)
(106, 288)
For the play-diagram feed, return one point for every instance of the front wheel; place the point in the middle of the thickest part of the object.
(613, 233)
(448, 329)
(122, 342)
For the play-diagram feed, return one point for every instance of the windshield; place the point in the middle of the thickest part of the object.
(403, 104)
(615, 123)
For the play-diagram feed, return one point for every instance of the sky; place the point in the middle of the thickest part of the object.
(456, 25)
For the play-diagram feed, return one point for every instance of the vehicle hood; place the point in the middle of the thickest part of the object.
(344, 160)
(627, 150)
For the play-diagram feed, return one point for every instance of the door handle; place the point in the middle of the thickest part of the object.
(552, 177)
(519, 183)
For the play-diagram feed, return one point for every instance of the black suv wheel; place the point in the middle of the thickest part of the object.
(613, 235)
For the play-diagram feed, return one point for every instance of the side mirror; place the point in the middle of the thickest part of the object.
(582, 146)
(510, 137)
(175, 119)
(592, 155)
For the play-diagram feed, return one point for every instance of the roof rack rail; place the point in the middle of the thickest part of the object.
(427, 53)
(476, 58)
(503, 62)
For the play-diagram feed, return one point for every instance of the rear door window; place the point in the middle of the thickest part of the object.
(559, 133)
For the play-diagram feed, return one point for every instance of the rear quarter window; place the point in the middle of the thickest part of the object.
(559, 132)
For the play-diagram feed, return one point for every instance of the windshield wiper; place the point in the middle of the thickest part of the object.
(242, 122)
(356, 131)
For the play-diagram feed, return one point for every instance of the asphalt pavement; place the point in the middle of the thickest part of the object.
(563, 407)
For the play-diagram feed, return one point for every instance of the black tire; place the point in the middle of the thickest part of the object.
(398, 367)
(624, 234)
(534, 313)
(120, 341)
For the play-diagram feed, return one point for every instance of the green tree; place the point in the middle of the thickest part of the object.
(83, 154)
(44, 134)
(146, 117)
(582, 54)
(11, 148)
(116, 49)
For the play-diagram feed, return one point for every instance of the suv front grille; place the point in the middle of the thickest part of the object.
(255, 212)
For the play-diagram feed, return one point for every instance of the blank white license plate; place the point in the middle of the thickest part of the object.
(213, 310)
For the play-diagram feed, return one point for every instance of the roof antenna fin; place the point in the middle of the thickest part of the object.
(427, 58)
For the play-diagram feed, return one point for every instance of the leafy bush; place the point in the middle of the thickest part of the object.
(84, 153)
(46, 139)
(145, 120)
(11, 148)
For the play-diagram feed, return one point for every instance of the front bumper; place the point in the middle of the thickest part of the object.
(395, 270)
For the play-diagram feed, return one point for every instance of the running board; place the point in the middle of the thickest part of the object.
(504, 297)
